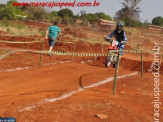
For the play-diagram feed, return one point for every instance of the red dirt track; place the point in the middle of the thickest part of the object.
(24, 92)
(36, 84)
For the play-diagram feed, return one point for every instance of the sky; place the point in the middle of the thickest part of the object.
(149, 8)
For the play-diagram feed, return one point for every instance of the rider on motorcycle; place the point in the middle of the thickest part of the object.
(120, 36)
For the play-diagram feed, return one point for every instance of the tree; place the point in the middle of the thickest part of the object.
(82, 12)
(129, 10)
(54, 13)
(52, 16)
(91, 17)
(134, 23)
(36, 13)
(9, 11)
(76, 16)
(66, 15)
(158, 21)
(65, 12)
(102, 15)
(2, 7)
(83, 15)
(146, 23)
(121, 14)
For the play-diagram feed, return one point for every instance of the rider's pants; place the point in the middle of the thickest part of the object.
(121, 48)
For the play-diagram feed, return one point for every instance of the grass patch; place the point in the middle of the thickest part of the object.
(18, 29)
(94, 40)
(132, 31)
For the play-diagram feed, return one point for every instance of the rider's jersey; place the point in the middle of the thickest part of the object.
(120, 36)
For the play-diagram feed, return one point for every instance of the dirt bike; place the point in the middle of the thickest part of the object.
(112, 58)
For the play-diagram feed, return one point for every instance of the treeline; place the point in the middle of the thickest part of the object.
(130, 15)
(158, 21)
(11, 12)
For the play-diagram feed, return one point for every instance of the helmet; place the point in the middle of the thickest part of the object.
(120, 24)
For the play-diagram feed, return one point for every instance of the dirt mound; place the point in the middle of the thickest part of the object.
(21, 39)
(80, 46)
(129, 64)
(67, 37)
(78, 33)
(146, 43)
(88, 47)
(136, 65)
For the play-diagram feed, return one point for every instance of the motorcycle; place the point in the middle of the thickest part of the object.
(112, 58)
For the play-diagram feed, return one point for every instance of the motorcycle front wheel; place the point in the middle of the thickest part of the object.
(108, 61)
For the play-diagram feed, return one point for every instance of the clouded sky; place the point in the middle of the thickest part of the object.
(149, 8)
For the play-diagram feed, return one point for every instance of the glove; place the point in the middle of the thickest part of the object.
(107, 38)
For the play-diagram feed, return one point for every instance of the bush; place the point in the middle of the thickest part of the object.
(133, 23)
(158, 21)
(9, 13)
(54, 13)
(36, 13)
(91, 17)
(102, 15)
(65, 12)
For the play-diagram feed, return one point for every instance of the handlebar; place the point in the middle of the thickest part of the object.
(109, 40)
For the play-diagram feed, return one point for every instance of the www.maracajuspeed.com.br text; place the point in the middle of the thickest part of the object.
(58, 4)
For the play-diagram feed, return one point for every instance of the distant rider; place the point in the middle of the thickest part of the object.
(120, 36)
